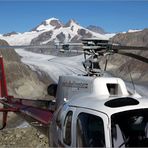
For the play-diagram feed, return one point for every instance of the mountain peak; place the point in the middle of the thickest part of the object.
(70, 23)
(48, 24)
(73, 21)
(96, 29)
(47, 21)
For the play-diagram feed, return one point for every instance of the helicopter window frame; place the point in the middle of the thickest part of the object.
(58, 117)
(86, 138)
(67, 137)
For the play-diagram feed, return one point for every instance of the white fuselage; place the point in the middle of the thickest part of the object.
(89, 108)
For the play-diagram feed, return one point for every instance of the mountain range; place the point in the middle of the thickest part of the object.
(53, 30)
(122, 66)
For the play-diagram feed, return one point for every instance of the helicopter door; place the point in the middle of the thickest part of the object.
(91, 129)
(62, 127)
(67, 131)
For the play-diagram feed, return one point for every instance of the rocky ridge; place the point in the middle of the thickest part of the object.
(21, 80)
(122, 65)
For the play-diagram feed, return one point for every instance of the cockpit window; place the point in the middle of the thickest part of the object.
(90, 131)
(130, 129)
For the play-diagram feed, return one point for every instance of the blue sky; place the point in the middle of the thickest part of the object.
(113, 16)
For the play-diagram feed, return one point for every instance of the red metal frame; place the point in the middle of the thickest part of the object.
(21, 106)
(8, 110)
(3, 85)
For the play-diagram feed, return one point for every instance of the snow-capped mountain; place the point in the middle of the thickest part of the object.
(53, 30)
(48, 24)
(21, 38)
(70, 32)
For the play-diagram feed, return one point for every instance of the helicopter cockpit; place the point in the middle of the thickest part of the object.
(130, 128)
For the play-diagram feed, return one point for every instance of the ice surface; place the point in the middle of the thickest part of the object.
(21, 38)
(54, 66)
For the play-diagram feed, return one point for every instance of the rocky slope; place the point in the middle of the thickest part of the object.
(21, 80)
(121, 65)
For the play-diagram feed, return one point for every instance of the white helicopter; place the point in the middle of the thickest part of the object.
(90, 110)
(95, 111)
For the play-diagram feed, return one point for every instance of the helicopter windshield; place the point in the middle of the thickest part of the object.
(90, 131)
(130, 128)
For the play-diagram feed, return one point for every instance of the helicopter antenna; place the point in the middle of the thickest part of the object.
(129, 69)
(106, 62)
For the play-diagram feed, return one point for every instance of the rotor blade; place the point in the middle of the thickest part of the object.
(74, 44)
(120, 47)
(27, 46)
(72, 51)
(37, 46)
(138, 57)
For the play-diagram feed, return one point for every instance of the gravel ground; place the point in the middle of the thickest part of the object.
(18, 134)
(22, 137)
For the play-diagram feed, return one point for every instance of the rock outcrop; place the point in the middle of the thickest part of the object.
(21, 80)
(122, 65)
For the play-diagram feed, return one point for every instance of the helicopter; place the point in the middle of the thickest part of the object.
(89, 110)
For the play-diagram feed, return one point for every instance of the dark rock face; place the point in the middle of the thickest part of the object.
(61, 37)
(84, 33)
(81, 32)
(123, 64)
(56, 23)
(96, 29)
(75, 39)
(42, 38)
